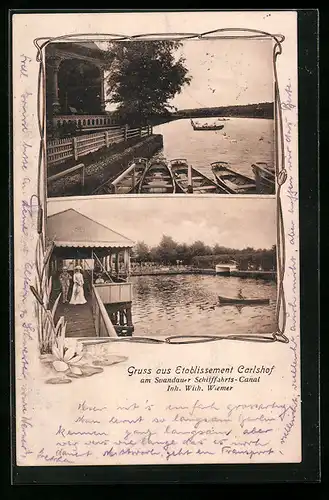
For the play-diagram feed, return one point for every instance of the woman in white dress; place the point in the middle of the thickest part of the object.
(78, 296)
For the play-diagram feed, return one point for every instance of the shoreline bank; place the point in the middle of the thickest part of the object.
(101, 167)
(267, 275)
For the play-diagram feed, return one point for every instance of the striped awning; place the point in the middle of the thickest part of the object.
(73, 229)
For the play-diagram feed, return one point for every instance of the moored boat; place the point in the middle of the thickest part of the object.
(206, 127)
(231, 181)
(264, 178)
(237, 300)
(157, 179)
(191, 180)
(127, 182)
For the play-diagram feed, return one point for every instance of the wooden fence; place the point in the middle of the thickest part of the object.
(60, 150)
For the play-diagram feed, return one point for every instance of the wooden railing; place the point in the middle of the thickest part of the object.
(103, 324)
(60, 150)
(71, 170)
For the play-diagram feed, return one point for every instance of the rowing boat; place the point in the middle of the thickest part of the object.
(233, 300)
(127, 182)
(231, 181)
(157, 179)
(264, 177)
(206, 127)
(195, 182)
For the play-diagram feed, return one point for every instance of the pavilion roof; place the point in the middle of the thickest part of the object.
(70, 228)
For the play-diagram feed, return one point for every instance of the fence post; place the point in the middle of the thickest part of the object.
(126, 132)
(149, 131)
(75, 148)
(141, 131)
(107, 138)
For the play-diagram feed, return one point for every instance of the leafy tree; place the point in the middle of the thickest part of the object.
(142, 252)
(144, 77)
(167, 250)
(183, 253)
(198, 248)
(154, 255)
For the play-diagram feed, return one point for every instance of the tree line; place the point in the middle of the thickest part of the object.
(198, 254)
(259, 110)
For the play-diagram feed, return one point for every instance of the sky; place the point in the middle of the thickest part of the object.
(226, 72)
(231, 222)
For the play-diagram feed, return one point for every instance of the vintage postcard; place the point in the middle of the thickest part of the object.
(156, 238)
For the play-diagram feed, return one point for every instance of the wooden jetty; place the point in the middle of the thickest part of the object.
(79, 240)
(80, 320)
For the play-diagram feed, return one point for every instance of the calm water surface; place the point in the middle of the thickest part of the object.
(188, 305)
(241, 142)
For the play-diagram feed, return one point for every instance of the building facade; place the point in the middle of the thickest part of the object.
(75, 88)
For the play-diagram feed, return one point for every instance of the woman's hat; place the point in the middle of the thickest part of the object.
(78, 267)
(64, 268)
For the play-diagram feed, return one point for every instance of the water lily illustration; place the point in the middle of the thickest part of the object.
(64, 359)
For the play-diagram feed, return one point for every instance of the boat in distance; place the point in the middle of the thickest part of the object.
(264, 177)
(231, 181)
(206, 127)
(190, 180)
(127, 182)
(237, 300)
(157, 179)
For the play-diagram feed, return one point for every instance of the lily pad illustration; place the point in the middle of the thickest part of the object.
(110, 360)
(86, 371)
(60, 366)
(58, 380)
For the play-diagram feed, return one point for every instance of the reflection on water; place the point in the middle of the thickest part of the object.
(188, 305)
(241, 142)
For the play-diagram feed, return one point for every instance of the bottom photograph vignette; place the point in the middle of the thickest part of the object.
(163, 270)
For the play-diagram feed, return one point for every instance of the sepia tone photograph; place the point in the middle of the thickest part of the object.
(199, 267)
(160, 117)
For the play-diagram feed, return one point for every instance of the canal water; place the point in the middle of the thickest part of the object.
(241, 142)
(188, 305)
